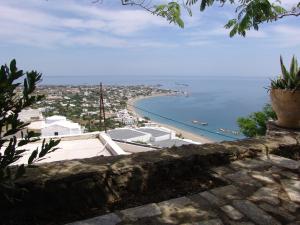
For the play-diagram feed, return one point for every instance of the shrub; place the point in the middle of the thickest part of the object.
(256, 123)
(15, 97)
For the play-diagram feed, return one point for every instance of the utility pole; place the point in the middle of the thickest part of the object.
(102, 109)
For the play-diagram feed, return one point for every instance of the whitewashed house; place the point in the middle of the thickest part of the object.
(158, 134)
(59, 125)
(124, 117)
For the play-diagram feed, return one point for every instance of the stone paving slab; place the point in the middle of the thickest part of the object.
(109, 219)
(266, 192)
(141, 211)
(227, 192)
(249, 164)
(278, 211)
(181, 210)
(281, 162)
(232, 212)
(212, 199)
(263, 177)
(210, 222)
(292, 188)
(254, 213)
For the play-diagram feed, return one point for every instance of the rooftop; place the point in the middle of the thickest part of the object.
(154, 132)
(133, 148)
(124, 133)
(63, 123)
(70, 149)
(55, 118)
(171, 142)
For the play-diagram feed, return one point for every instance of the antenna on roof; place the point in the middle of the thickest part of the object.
(102, 110)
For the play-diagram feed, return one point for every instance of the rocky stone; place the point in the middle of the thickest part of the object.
(141, 211)
(281, 162)
(290, 206)
(210, 222)
(263, 177)
(279, 211)
(289, 175)
(212, 199)
(200, 201)
(240, 223)
(292, 188)
(182, 210)
(248, 164)
(176, 202)
(295, 223)
(229, 192)
(232, 212)
(246, 183)
(109, 219)
(254, 213)
(266, 194)
(222, 170)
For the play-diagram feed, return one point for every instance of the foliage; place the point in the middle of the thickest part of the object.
(249, 13)
(288, 79)
(15, 97)
(123, 104)
(170, 11)
(256, 123)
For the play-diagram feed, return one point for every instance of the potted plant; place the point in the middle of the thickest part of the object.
(285, 95)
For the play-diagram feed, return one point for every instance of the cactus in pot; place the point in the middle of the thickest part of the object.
(285, 95)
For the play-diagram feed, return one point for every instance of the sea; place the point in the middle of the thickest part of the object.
(215, 100)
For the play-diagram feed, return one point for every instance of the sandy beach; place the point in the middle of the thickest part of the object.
(185, 134)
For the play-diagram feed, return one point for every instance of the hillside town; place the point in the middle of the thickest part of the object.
(80, 104)
(72, 114)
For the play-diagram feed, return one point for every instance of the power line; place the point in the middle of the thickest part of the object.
(183, 123)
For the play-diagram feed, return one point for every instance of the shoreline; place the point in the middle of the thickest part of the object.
(184, 133)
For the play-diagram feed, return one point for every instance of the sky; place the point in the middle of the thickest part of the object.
(84, 38)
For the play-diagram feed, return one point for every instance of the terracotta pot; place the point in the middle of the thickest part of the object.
(286, 105)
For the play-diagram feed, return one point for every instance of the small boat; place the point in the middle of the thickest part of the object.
(204, 123)
(195, 121)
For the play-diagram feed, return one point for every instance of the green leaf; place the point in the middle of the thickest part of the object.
(285, 74)
(33, 156)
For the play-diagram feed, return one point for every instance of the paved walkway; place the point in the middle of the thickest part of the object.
(263, 191)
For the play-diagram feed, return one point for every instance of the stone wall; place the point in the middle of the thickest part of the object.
(80, 186)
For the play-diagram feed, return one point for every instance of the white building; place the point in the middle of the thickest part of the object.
(124, 117)
(29, 115)
(59, 125)
(153, 136)
(158, 134)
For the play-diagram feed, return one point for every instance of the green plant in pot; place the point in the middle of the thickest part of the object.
(285, 95)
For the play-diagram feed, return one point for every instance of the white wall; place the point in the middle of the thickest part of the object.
(161, 138)
(111, 145)
(144, 138)
(50, 130)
